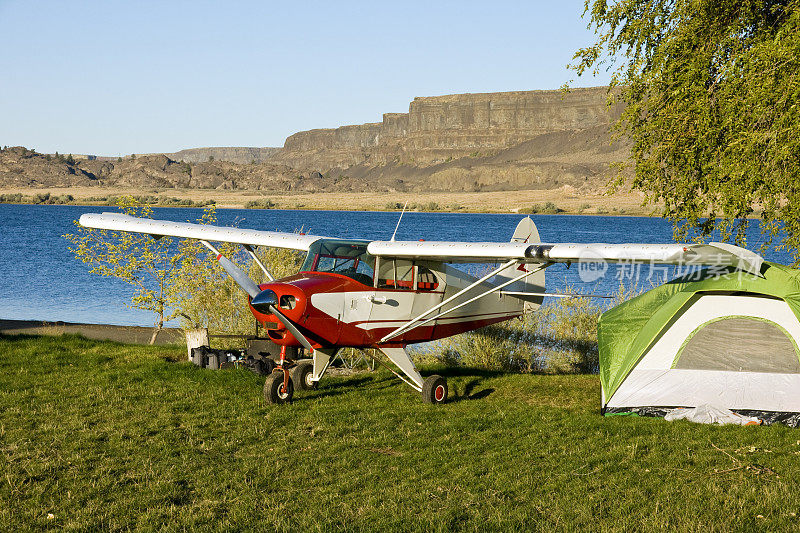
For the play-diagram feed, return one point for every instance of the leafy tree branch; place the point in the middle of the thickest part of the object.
(711, 91)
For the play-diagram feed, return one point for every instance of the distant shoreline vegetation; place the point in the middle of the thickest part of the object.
(67, 199)
(152, 200)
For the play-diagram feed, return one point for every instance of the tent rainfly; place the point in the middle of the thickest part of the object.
(729, 341)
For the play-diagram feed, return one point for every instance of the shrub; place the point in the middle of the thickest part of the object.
(559, 337)
(549, 208)
(207, 297)
(14, 198)
(260, 204)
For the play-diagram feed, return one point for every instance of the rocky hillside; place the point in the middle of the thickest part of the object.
(467, 142)
(234, 154)
(23, 168)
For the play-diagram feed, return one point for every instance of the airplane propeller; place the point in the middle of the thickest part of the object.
(265, 301)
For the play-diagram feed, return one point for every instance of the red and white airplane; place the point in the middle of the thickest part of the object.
(389, 294)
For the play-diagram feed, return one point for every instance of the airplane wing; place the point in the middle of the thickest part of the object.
(120, 222)
(714, 254)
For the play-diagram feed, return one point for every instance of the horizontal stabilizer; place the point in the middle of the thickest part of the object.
(536, 296)
(187, 230)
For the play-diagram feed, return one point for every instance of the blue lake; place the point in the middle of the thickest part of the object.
(43, 281)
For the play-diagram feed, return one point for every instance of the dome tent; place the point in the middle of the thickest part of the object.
(730, 341)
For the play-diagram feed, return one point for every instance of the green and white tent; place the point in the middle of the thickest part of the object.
(729, 341)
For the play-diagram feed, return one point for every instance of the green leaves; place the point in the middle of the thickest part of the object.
(206, 297)
(177, 279)
(139, 260)
(711, 91)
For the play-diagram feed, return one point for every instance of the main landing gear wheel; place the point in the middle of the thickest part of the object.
(274, 390)
(301, 376)
(434, 389)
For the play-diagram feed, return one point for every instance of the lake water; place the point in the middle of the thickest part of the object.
(43, 281)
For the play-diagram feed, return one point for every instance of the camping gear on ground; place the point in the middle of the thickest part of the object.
(714, 336)
(709, 414)
(214, 359)
(199, 356)
(260, 356)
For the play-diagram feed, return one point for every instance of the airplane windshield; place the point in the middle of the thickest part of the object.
(348, 258)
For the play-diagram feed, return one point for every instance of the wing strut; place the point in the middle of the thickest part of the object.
(405, 327)
(258, 262)
(264, 301)
(238, 275)
(408, 324)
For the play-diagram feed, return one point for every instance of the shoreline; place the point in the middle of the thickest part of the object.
(565, 200)
(123, 334)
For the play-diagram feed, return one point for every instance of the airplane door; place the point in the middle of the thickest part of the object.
(392, 302)
(416, 289)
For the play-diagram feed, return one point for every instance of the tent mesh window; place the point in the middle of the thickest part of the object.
(740, 344)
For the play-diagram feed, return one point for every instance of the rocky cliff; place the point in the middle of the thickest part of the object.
(439, 128)
(470, 142)
(465, 142)
(234, 154)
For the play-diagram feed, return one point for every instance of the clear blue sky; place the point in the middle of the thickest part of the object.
(113, 77)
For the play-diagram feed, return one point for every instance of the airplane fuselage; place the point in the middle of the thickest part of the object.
(335, 310)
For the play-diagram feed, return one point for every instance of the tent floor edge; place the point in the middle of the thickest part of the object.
(787, 418)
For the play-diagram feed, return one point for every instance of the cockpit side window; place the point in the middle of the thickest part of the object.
(396, 274)
(426, 280)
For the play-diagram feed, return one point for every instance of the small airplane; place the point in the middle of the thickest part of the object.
(389, 294)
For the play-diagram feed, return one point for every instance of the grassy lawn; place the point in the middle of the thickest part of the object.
(104, 435)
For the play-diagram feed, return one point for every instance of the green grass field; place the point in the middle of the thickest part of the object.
(103, 435)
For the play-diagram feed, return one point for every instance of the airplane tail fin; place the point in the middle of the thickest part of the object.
(526, 232)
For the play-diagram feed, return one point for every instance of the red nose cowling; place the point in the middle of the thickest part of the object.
(292, 302)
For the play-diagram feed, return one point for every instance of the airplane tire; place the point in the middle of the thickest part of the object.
(434, 389)
(301, 376)
(273, 389)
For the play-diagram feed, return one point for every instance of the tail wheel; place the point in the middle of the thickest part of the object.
(275, 391)
(301, 376)
(434, 389)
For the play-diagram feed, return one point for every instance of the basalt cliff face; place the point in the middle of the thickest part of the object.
(438, 128)
(525, 139)
(233, 154)
(464, 142)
